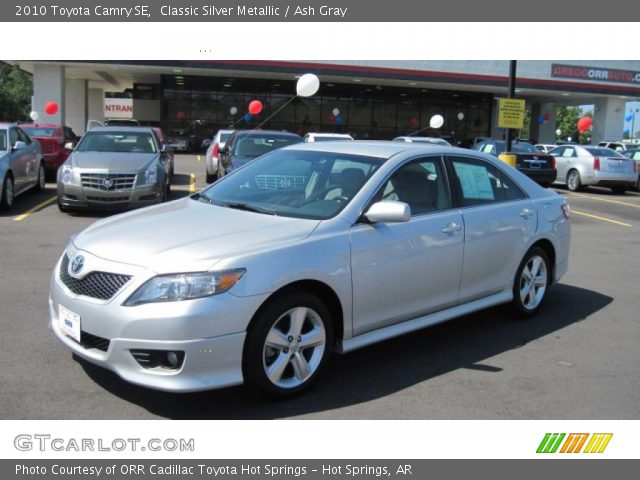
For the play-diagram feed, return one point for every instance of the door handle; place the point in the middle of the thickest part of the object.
(526, 213)
(453, 227)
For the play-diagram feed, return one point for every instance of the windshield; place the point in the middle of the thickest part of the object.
(3, 140)
(291, 183)
(39, 131)
(602, 152)
(123, 142)
(257, 145)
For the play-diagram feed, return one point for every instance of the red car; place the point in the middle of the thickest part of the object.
(52, 139)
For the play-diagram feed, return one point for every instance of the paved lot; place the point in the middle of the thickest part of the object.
(577, 360)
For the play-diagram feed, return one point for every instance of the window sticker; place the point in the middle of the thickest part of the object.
(474, 180)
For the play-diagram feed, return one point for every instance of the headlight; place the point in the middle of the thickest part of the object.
(185, 286)
(67, 174)
(151, 174)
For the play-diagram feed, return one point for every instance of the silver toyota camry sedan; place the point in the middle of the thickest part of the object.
(115, 168)
(309, 250)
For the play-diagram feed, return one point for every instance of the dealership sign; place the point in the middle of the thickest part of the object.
(592, 73)
(118, 108)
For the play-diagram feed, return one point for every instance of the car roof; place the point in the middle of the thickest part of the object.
(377, 148)
(122, 128)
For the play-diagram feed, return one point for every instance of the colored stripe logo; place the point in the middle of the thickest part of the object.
(574, 443)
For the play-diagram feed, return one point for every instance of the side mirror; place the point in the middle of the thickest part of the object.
(19, 145)
(388, 211)
(68, 146)
(166, 148)
(206, 142)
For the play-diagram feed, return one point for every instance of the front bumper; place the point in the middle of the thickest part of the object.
(78, 197)
(210, 331)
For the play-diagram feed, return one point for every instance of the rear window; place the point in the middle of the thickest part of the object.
(523, 148)
(224, 136)
(602, 152)
(257, 145)
(40, 131)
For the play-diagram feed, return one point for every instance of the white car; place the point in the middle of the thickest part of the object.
(326, 137)
(544, 147)
(215, 169)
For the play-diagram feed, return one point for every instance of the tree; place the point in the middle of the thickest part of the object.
(16, 89)
(567, 122)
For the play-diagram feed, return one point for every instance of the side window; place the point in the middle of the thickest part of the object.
(13, 136)
(480, 183)
(23, 136)
(421, 184)
(569, 152)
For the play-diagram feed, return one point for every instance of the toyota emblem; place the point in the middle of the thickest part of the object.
(77, 264)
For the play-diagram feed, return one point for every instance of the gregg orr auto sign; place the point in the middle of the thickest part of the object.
(594, 73)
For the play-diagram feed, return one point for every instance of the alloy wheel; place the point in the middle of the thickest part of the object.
(41, 178)
(294, 347)
(533, 282)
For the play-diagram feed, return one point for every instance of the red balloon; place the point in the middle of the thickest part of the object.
(51, 107)
(546, 117)
(255, 107)
(180, 115)
(413, 122)
(584, 124)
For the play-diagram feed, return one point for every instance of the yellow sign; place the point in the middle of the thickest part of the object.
(511, 113)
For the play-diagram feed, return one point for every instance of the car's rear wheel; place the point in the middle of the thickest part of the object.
(42, 179)
(574, 183)
(618, 190)
(531, 282)
(287, 345)
(211, 177)
(6, 197)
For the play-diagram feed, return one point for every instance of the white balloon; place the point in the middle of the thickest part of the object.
(558, 132)
(34, 116)
(436, 121)
(233, 110)
(336, 112)
(460, 116)
(308, 84)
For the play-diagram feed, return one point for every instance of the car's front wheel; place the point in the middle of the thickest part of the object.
(6, 196)
(531, 282)
(287, 345)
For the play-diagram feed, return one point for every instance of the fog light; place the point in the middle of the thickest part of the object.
(172, 359)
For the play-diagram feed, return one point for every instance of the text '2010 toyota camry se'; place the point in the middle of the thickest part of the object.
(308, 250)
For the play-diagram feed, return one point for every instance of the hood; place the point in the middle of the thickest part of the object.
(186, 235)
(112, 162)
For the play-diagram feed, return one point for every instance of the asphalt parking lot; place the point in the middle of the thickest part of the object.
(578, 359)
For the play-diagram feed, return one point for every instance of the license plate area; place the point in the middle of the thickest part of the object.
(69, 322)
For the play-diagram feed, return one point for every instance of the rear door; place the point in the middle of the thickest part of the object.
(499, 221)
(404, 270)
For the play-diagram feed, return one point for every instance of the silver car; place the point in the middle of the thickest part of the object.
(21, 164)
(115, 168)
(580, 166)
(311, 249)
(215, 169)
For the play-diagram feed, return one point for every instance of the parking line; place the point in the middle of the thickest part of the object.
(618, 202)
(35, 209)
(192, 183)
(622, 224)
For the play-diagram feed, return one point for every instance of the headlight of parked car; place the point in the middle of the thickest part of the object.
(67, 174)
(151, 174)
(185, 286)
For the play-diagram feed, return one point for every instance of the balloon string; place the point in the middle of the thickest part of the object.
(275, 113)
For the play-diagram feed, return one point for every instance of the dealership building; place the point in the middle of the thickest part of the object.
(369, 99)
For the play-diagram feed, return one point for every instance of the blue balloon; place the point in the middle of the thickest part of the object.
(628, 117)
(338, 119)
(541, 119)
(247, 117)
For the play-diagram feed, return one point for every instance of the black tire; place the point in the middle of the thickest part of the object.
(42, 179)
(211, 177)
(518, 304)
(6, 195)
(619, 190)
(256, 354)
(574, 183)
(64, 209)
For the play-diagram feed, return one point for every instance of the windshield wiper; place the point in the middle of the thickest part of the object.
(248, 208)
(201, 198)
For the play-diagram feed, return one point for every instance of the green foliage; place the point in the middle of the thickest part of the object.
(567, 121)
(16, 89)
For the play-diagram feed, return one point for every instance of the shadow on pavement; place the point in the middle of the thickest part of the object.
(381, 369)
(27, 200)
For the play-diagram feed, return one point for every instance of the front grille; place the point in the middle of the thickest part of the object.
(101, 285)
(107, 199)
(108, 182)
(280, 182)
(92, 341)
